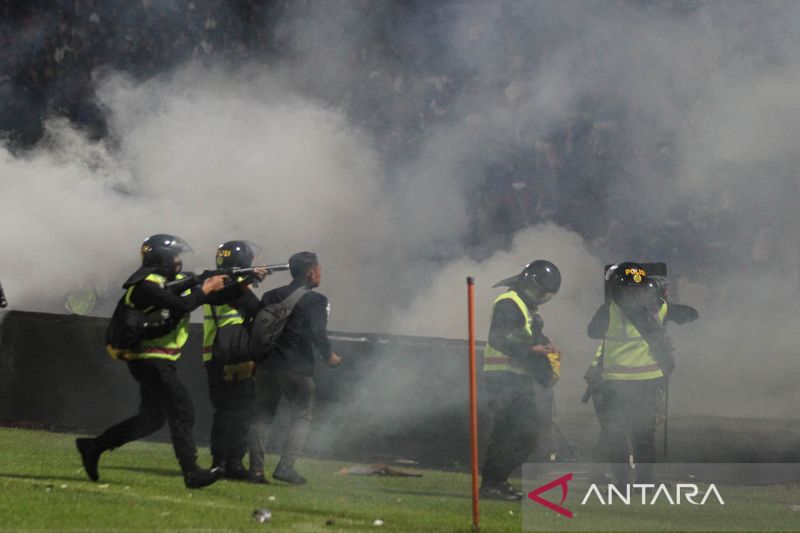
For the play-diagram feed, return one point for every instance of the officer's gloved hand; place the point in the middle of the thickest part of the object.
(260, 273)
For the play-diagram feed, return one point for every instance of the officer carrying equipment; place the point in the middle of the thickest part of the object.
(538, 282)
(516, 354)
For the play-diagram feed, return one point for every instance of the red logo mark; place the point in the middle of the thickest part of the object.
(534, 495)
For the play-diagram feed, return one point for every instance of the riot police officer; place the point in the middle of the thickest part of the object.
(152, 365)
(517, 354)
(629, 368)
(230, 384)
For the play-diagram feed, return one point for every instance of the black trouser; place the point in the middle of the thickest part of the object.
(271, 385)
(628, 416)
(233, 409)
(164, 398)
(512, 403)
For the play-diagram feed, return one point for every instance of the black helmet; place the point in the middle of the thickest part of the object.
(539, 280)
(629, 284)
(160, 252)
(661, 286)
(237, 254)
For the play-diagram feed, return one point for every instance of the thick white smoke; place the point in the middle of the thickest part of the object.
(302, 155)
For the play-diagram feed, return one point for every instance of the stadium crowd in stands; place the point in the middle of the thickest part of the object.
(51, 52)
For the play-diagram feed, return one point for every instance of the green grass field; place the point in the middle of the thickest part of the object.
(43, 487)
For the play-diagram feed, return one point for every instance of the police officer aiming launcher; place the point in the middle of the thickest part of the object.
(230, 375)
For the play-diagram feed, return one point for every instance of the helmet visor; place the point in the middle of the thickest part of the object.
(179, 245)
(538, 294)
(258, 253)
(635, 296)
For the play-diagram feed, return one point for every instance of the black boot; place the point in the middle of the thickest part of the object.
(258, 478)
(235, 470)
(196, 478)
(90, 455)
(500, 491)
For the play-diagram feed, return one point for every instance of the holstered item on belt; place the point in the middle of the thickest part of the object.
(238, 372)
(122, 354)
(594, 382)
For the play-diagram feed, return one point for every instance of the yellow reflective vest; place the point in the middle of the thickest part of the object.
(167, 346)
(626, 355)
(226, 316)
(496, 361)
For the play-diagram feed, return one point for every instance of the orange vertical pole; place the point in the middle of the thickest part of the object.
(473, 403)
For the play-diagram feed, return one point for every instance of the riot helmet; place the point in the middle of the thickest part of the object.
(630, 286)
(161, 252)
(237, 254)
(539, 281)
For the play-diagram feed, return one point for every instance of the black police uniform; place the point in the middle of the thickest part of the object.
(517, 421)
(232, 393)
(163, 396)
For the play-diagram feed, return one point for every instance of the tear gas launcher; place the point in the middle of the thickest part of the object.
(235, 273)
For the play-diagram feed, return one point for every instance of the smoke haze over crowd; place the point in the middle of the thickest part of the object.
(372, 133)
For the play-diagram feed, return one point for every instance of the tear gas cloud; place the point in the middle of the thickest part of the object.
(303, 152)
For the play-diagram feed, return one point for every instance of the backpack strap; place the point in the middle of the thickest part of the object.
(290, 301)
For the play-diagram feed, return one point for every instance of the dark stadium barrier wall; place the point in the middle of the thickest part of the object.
(54, 372)
(393, 397)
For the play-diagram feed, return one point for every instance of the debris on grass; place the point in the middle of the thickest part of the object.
(377, 522)
(271, 498)
(330, 522)
(262, 515)
(375, 470)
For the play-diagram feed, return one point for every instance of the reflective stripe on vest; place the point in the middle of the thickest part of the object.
(167, 346)
(226, 316)
(493, 359)
(627, 355)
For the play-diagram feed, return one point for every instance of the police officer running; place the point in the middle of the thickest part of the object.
(163, 396)
(230, 386)
(517, 354)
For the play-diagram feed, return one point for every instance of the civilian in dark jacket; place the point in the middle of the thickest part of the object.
(289, 369)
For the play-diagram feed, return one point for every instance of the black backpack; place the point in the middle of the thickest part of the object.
(269, 322)
(129, 326)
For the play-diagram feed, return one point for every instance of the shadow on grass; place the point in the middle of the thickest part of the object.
(165, 472)
(427, 494)
(81, 477)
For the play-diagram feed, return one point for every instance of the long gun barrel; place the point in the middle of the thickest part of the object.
(180, 285)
